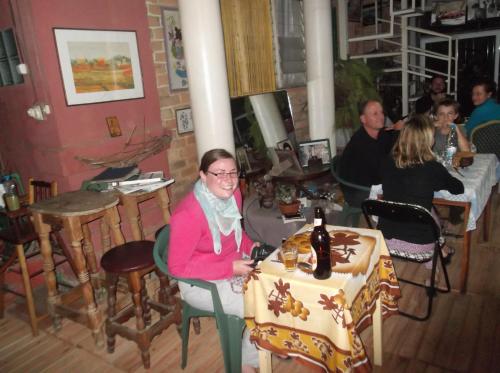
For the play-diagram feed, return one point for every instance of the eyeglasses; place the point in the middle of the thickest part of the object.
(223, 175)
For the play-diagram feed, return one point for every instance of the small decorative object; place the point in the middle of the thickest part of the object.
(314, 149)
(265, 190)
(449, 13)
(287, 199)
(285, 145)
(176, 64)
(242, 158)
(285, 161)
(113, 126)
(184, 120)
(99, 65)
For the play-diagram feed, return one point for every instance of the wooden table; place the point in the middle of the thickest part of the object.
(319, 321)
(74, 210)
(478, 180)
(131, 204)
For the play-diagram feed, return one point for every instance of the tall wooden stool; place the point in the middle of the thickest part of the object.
(134, 260)
(131, 204)
(73, 211)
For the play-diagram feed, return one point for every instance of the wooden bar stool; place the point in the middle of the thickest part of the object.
(74, 211)
(133, 260)
(131, 204)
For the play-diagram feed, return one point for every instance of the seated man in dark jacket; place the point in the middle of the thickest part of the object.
(360, 162)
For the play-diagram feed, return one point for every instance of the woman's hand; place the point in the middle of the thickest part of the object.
(242, 267)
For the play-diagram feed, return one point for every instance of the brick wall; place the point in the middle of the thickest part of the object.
(182, 156)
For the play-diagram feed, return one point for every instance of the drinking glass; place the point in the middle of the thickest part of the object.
(289, 255)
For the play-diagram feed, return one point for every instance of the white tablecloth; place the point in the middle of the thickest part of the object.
(478, 179)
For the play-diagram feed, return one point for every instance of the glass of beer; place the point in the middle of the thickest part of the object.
(289, 255)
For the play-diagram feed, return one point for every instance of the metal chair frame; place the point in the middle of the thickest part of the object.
(411, 213)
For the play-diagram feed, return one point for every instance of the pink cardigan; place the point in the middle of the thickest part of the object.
(191, 252)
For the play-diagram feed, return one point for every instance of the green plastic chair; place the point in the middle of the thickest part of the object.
(350, 215)
(230, 327)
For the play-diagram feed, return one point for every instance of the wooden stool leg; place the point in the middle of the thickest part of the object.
(163, 297)
(134, 282)
(105, 236)
(163, 202)
(111, 280)
(145, 302)
(27, 289)
(53, 298)
(73, 226)
(88, 251)
(113, 222)
(134, 217)
(2, 293)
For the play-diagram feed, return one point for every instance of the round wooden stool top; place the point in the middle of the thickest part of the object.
(129, 257)
(80, 202)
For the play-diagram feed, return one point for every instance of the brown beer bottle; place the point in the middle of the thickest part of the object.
(320, 241)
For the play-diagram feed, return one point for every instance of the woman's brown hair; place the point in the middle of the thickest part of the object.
(414, 145)
(212, 156)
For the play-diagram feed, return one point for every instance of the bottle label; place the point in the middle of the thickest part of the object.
(317, 222)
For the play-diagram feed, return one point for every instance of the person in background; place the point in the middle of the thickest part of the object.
(411, 174)
(486, 107)
(207, 242)
(360, 162)
(437, 92)
(447, 133)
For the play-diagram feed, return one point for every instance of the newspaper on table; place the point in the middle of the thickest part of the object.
(144, 187)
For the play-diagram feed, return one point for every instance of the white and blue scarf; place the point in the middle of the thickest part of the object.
(222, 215)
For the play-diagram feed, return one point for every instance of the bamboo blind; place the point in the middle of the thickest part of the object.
(249, 46)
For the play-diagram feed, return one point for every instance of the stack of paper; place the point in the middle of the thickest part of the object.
(143, 187)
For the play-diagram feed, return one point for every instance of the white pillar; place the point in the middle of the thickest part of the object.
(269, 118)
(206, 67)
(342, 28)
(319, 60)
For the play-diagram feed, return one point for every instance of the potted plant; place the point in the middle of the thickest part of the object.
(287, 199)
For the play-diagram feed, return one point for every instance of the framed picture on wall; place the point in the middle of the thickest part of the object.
(184, 120)
(98, 65)
(176, 64)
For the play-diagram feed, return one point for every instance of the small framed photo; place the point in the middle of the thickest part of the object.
(242, 158)
(285, 145)
(316, 149)
(184, 120)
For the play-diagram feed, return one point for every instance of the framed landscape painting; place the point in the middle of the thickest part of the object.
(98, 65)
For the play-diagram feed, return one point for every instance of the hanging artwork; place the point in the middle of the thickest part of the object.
(176, 64)
(99, 65)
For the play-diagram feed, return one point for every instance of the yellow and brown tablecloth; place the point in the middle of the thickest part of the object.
(319, 321)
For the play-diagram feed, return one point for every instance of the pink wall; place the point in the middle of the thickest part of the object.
(47, 149)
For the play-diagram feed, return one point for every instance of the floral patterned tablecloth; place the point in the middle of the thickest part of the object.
(319, 321)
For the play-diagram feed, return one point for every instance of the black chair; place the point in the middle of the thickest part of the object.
(349, 213)
(486, 137)
(409, 213)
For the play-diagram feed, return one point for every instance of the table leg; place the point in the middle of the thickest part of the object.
(53, 297)
(164, 202)
(113, 221)
(74, 229)
(88, 251)
(486, 222)
(377, 333)
(134, 217)
(265, 361)
(464, 268)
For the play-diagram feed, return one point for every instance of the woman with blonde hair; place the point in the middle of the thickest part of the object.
(411, 174)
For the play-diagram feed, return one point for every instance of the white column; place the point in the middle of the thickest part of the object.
(319, 59)
(269, 118)
(206, 67)
(342, 28)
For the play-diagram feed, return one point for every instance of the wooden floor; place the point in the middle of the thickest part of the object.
(462, 335)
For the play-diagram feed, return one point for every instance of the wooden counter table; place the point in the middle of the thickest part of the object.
(74, 210)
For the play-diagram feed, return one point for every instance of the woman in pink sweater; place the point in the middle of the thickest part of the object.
(207, 242)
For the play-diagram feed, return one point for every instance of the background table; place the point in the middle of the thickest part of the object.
(319, 321)
(478, 180)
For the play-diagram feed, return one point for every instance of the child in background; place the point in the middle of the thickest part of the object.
(447, 133)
